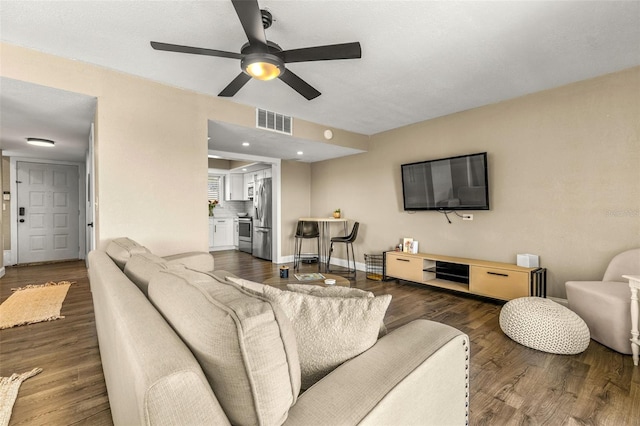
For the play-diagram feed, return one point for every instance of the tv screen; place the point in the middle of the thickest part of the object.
(454, 183)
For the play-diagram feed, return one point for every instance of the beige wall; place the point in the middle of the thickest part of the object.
(216, 163)
(296, 200)
(564, 172)
(150, 148)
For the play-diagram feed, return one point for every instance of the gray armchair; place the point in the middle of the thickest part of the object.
(605, 305)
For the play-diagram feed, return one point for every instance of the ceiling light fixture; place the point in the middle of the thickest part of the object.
(40, 142)
(300, 152)
(245, 144)
(262, 66)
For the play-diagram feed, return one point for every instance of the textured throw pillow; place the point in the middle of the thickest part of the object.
(337, 291)
(329, 329)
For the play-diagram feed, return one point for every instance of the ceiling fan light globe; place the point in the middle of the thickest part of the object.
(263, 71)
(262, 66)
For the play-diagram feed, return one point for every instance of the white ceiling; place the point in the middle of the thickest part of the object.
(420, 59)
(28, 110)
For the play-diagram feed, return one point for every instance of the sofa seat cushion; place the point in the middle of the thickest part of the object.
(245, 346)
(121, 249)
(331, 326)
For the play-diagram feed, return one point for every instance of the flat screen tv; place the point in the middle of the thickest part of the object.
(454, 183)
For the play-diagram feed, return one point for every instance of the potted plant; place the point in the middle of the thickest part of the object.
(336, 213)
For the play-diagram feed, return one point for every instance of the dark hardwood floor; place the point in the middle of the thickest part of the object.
(510, 384)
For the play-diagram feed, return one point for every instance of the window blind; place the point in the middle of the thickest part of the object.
(214, 187)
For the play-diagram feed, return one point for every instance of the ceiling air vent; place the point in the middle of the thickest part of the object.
(273, 121)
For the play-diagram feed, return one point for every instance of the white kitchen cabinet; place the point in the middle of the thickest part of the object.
(235, 233)
(248, 180)
(234, 190)
(210, 233)
(223, 233)
(262, 174)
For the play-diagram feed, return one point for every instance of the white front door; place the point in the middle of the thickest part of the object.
(90, 236)
(48, 212)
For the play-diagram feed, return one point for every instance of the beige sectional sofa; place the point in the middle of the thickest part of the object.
(182, 344)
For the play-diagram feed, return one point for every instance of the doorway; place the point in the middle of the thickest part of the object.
(48, 212)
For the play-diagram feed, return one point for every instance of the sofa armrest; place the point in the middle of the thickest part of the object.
(417, 374)
(199, 260)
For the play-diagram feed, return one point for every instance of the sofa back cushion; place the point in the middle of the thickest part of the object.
(141, 267)
(121, 249)
(247, 349)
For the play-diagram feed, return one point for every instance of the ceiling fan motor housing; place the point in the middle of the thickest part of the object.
(267, 18)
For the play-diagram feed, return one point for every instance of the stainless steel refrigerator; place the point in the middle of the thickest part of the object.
(262, 219)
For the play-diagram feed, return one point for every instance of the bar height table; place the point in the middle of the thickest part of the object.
(634, 285)
(324, 225)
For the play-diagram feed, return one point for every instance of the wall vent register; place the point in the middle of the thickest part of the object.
(273, 121)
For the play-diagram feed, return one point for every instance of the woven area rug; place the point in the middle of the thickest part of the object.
(33, 303)
(9, 387)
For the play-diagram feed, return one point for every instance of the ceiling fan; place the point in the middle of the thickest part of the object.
(263, 59)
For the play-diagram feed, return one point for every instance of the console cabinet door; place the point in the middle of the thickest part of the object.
(498, 283)
(404, 267)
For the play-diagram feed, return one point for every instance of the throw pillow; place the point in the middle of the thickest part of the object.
(338, 291)
(329, 330)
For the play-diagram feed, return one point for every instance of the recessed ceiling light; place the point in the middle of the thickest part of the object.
(40, 142)
(245, 144)
(213, 156)
(244, 170)
(300, 152)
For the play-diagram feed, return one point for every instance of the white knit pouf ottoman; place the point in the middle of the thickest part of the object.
(544, 325)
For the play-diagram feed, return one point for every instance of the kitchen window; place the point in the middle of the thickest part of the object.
(215, 188)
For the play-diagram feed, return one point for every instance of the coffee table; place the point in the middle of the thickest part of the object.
(278, 282)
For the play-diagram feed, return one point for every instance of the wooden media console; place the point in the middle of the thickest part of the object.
(502, 281)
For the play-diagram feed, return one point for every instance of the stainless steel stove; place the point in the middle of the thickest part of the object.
(245, 225)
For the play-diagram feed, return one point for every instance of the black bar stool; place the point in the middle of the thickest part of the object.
(348, 241)
(304, 231)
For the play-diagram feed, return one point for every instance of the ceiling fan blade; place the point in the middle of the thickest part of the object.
(251, 19)
(323, 53)
(235, 85)
(195, 50)
(299, 85)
